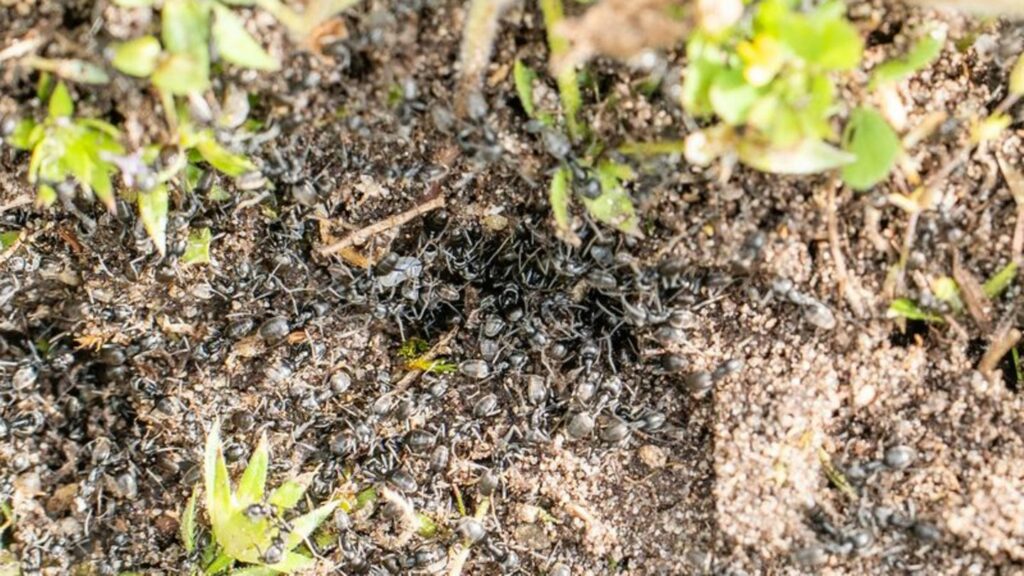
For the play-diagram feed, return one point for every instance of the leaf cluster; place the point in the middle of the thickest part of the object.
(178, 63)
(67, 149)
(770, 81)
(268, 540)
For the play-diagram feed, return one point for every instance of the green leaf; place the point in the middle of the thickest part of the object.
(103, 188)
(9, 238)
(61, 105)
(524, 76)
(185, 27)
(137, 57)
(25, 135)
(807, 157)
(45, 196)
(824, 38)
(233, 165)
(614, 206)
(255, 571)
(293, 562)
(219, 564)
(215, 478)
(198, 249)
(998, 283)
(182, 74)
(568, 83)
(906, 308)
(705, 63)
(254, 479)
(425, 525)
(559, 195)
(188, 522)
(236, 45)
(153, 212)
(732, 97)
(290, 492)
(304, 525)
(920, 55)
(874, 144)
(134, 3)
(945, 289)
(1017, 77)
(100, 126)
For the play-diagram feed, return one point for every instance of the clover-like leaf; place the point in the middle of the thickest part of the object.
(732, 97)
(874, 144)
(920, 55)
(182, 74)
(236, 45)
(137, 57)
(153, 213)
(185, 26)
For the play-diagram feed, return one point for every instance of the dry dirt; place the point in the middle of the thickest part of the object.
(114, 361)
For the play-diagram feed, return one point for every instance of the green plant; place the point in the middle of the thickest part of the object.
(250, 526)
(178, 63)
(66, 148)
(770, 83)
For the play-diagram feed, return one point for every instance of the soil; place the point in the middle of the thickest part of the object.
(754, 409)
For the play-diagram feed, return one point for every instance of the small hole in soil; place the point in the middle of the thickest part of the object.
(909, 336)
(1010, 374)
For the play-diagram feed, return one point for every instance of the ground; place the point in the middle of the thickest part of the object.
(752, 407)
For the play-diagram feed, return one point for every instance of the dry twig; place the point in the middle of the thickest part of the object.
(363, 234)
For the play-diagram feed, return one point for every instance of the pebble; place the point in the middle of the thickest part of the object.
(652, 456)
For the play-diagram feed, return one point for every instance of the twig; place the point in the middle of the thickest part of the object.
(363, 234)
(22, 47)
(1001, 345)
(1015, 182)
(978, 304)
(846, 287)
(16, 203)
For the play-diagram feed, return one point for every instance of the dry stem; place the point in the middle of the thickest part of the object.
(361, 235)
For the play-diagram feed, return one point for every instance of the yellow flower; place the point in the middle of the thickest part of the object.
(762, 59)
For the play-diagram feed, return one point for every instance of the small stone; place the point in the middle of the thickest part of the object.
(652, 456)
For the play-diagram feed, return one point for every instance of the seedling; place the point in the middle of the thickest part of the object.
(770, 83)
(68, 149)
(251, 527)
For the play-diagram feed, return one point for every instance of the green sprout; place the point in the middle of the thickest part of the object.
(415, 352)
(66, 148)
(249, 526)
